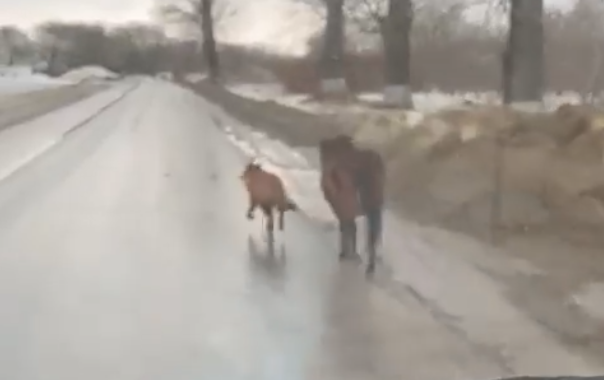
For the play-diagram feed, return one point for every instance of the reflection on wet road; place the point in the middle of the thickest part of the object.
(125, 254)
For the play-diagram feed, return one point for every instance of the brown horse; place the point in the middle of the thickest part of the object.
(352, 180)
(266, 191)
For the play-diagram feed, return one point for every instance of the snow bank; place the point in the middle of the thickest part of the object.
(425, 101)
(86, 73)
(15, 84)
(195, 77)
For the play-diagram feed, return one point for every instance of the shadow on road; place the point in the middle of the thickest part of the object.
(266, 258)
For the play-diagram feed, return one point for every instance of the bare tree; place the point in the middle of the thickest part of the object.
(14, 43)
(209, 41)
(201, 15)
(523, 57)
(392, 20)
(331, 63)
(395, 29)
(587, 19)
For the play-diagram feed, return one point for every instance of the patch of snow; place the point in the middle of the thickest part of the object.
(258, 92)
(195, 77)
(86, 73)
(424, 102)
(15, 71)
(14, 84)
(591, 299)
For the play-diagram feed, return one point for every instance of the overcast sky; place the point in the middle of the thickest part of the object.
(277, 23)
(26, 13)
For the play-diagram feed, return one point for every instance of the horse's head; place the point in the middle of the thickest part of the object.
(335, 148)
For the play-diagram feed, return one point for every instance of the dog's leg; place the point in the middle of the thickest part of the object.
(343, 239)
(270, 224)
(281, 219)
(251, 209)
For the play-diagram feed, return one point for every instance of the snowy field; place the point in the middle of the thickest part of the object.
(34, 82)
(20, 81)
(425, 102)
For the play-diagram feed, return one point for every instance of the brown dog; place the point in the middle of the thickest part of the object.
(266, 191)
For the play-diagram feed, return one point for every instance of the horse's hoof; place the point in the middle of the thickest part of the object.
(351, 256)
(355, 256)
(370, 269)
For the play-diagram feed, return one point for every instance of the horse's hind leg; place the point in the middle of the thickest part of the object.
(374, 230)
(343, 239)
(352, 238)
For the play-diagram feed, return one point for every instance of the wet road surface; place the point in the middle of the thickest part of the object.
(125, 254)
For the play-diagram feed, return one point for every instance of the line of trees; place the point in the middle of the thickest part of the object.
(419, 44)
(522, 59)
(56, 47)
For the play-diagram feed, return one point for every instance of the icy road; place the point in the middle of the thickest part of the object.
(125, 255)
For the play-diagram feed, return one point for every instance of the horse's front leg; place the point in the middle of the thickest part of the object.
(348, 239)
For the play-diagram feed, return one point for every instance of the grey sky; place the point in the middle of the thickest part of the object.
(280, 24)
(26, 13)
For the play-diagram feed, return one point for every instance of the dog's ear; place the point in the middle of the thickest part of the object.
(254, 163)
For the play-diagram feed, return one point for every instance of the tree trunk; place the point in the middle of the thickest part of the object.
(396, 30)
(11, 55)
(331, 65)
(523, 60)
(51, 62)
(209, 49)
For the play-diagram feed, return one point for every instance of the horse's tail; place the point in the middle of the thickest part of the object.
(290, 205)
(371, 193)
(374, 225)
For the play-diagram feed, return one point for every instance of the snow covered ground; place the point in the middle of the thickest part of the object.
(21, 144)
(26, 83)
(87, 73)
(425, 102)
(15, 81)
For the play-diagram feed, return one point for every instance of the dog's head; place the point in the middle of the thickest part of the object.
(250, 169)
